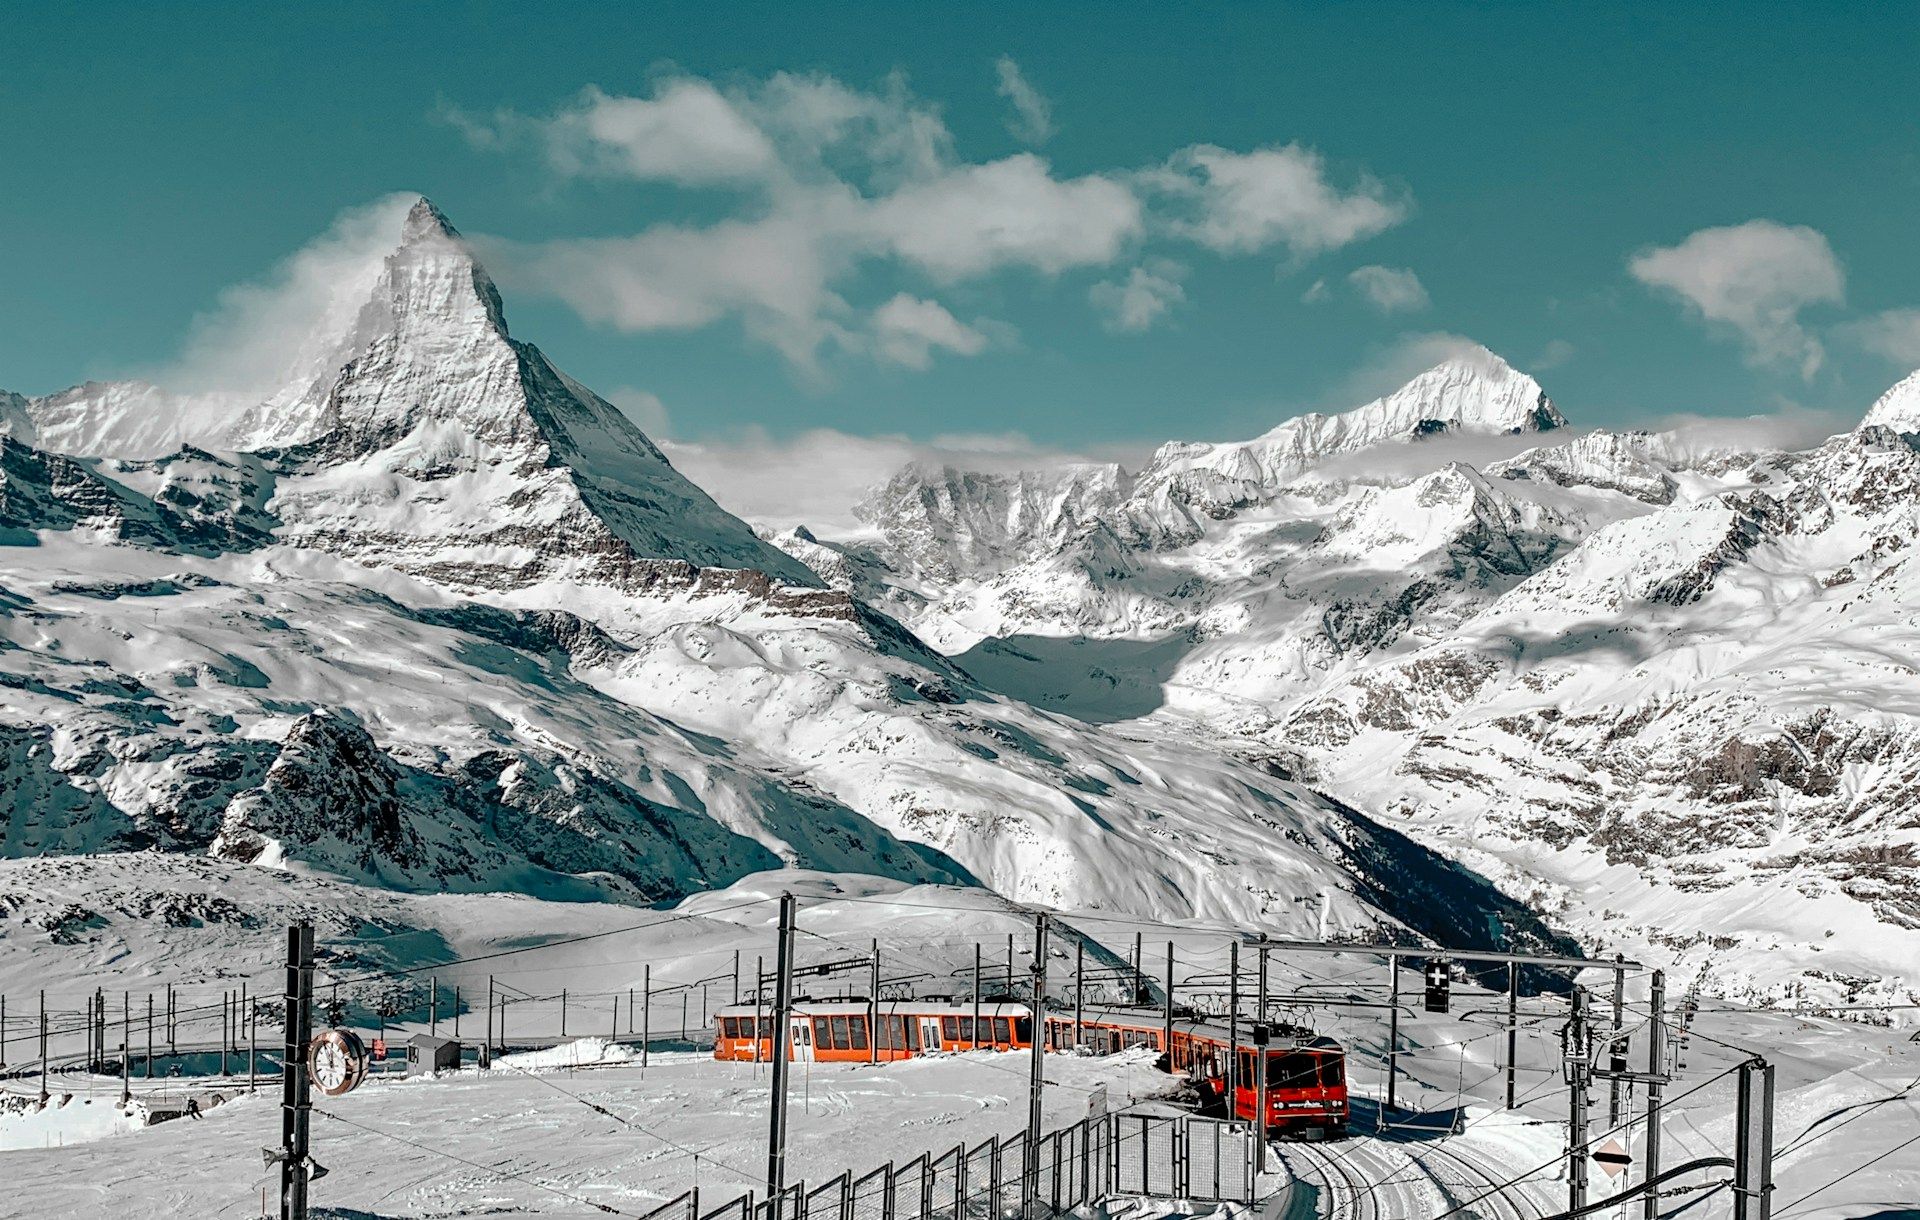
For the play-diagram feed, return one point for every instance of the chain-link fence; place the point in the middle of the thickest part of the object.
(1175, 1156)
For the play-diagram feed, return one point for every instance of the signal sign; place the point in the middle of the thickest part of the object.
(1613, 1158)
(1439, 983)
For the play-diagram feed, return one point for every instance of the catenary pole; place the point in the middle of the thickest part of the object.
(782, 1013)
(1233, 1030)
(1166, 1010)
(1656, 1087)
(1513, 1028)
(974, 1033)
(295, 1106)
(1619, 1021)
(873, 1008)
(1037, 1074)
(1576, 1066)
(1261, 1068)
(1079, 987)
(1393, 1033)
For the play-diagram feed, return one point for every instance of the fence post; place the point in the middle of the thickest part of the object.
(960, 1170)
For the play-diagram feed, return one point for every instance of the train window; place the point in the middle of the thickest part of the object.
(822, 1033)
(1332, 1071)
(1293, 1070)
(766, 1027)
(966, 1029)
(1002, 1030)
(950, 1028)
(883, 1034)
(839, 1027)
(857, 1027)
(1023, 1029)
(913, 1033)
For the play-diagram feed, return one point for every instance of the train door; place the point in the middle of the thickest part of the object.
(930, 1033)
(800, 1030)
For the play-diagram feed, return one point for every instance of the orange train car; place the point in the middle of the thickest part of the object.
(842, 1031)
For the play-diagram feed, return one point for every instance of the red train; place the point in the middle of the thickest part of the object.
(1306, 1073)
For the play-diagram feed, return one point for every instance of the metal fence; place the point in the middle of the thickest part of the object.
(1176, 1156)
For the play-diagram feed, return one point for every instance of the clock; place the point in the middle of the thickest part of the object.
(336, 1061)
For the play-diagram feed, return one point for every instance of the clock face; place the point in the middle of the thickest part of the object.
(336, 1061)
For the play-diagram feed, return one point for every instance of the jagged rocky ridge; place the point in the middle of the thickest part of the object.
(1655, 687)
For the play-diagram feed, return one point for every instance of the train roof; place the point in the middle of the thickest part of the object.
(831, 1006)
(1284, 1037)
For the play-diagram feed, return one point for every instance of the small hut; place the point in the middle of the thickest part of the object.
(427, 1053)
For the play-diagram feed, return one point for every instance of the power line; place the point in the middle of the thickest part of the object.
(1856, 1169)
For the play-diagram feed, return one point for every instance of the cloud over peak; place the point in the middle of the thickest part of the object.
(836, 185)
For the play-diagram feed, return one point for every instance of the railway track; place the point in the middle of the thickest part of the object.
(1362, 1183)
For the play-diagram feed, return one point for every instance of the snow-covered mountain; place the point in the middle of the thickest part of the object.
(1658, 689)
(441, 619)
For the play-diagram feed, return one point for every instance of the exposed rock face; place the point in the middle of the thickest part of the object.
(1682, 663)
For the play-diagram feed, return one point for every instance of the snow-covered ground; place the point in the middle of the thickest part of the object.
(522, 1139)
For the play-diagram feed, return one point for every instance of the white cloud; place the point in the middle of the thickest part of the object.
(847, 184)
(1148, 294)
(1893, 333)
(907, 329)
(264, 336)
(1238, 203)
(645, 409)
(816, 477)
(1389, 289)
(688, 132)
(1316, 292)
(1755, 278)
(1012, 212)
(1032, 120)
(772, 273)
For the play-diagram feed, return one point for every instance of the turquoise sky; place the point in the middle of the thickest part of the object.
(1522, 155)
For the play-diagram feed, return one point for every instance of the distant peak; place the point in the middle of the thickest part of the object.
(1899, 407)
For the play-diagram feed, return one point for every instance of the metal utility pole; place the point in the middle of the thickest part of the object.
(486, 1047)
(1513, 1027)
(1619, 1014)
(433, 1006)
(1166, 1022)
(1233, 1030)
(1393, 1032)
(1656, 1086)
(736, 979)
(873, 1008)
(149, 1035)
(1261, 1036)
(1139, 970)
(226, 1014)
(1037, 1077)
(563, 1012)
(782, 1013)
(253, 1042)
(126, 1047)
(1079, 987)
(295, 1106)
(170, 1029)
(1575, 1059)
(646, 1012)
(973, 1034)
(1753, 1158)
(759, 997)
(43, 1048)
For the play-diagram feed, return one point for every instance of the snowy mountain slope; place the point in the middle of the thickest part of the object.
(1658, 687)
(1716, 698)
(455, 634)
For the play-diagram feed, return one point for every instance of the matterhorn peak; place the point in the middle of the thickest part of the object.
(425, 220)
